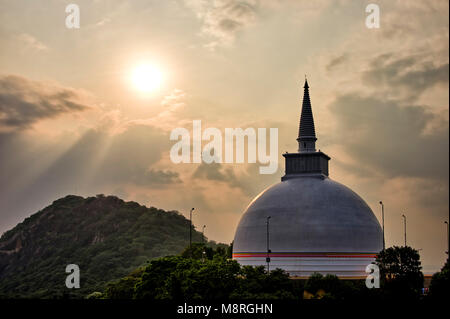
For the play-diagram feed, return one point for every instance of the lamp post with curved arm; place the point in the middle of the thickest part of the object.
(203, 233)
(382, 223)
(190, 229)
(448, 241)
(268, 250)
(404, 219)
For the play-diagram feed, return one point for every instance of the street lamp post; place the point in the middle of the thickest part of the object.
(448, 242)
(268, 250)
(404, 219)
(203, 233)
(382, 223)
(190, 230)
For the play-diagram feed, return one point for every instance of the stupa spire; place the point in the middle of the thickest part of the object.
(307, 162)
(306, 131)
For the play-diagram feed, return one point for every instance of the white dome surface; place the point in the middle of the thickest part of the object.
(316, 225)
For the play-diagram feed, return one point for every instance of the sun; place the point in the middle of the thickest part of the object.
(147, 78)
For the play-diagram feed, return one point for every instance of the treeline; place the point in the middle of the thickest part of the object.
(201, 272)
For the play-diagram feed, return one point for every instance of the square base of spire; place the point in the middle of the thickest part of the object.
(308, 163)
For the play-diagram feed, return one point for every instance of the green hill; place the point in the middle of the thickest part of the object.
(104, 235)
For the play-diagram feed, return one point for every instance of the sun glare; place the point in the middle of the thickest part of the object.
(147, 78)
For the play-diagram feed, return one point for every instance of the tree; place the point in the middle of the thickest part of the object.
(152, 284)
(447, 265)
(211, 279)
(317, 285)
(123, 289)
(256, 283)
(400, 270)
(198, 251)
(230, 250)
(204, 251)
(188, 278)
(95, 295)
(180, 278)
(332, 288)
(440, 283)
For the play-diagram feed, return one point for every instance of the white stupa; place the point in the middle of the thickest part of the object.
(315, 223)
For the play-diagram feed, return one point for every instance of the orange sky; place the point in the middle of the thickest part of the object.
(71, 120)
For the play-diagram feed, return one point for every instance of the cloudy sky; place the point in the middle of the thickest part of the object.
(72, 121)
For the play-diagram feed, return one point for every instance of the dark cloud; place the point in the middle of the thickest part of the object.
(228, 25)
(336, 62)
(392, 137)
(414, 18)
(412, 72)
(234, 15)
(223, 19)
(215, 172)
(23, 102)
(250, 181)
(154, 177)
